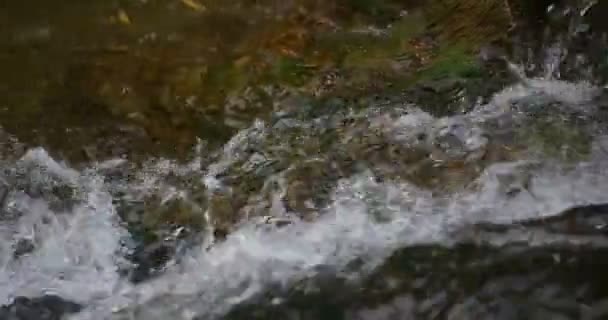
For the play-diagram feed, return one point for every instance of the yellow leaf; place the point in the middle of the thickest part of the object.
(123, 17)
(242, 61)
(194, 5)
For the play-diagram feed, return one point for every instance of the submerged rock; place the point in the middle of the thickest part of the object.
(459, 283)
(40, 308)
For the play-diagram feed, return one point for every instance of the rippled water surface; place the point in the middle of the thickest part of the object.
(364, 209)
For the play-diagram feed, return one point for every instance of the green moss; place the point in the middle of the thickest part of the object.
(452, 61)
(371, 51)
(224, 77)
(291, 71)
(559, 139)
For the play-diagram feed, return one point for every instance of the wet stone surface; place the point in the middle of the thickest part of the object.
(39, 308)
(463, 283)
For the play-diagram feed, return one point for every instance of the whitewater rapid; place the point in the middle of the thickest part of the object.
(78, 249)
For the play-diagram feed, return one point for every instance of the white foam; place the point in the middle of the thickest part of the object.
(366, 220)
(75, 252)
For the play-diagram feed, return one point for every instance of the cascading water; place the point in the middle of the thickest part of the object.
(391, 178)
(76, 248)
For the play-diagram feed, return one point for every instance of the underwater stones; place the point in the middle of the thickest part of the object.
(559, 139)
(451, 138)
(224, 214)
(508, 180)
(256, 164)
(47, 307)
(411, 129)
(308, 186)
(157, 213)
(410, 144)
(551, 127)
(159, 229)
(455, 138)
(241, 106)
(534, 104)
(513, 183)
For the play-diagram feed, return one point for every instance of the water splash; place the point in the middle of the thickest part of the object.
(366, 220)
(76, 252)
(73, 253)
(254, 259)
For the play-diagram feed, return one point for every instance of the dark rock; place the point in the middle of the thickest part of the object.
(582, 220)
(47, 307)
(22, 247)
(4, 191)
(530, 13)
(492, 54)
(598, 310)
(596, 15)
(150, 260)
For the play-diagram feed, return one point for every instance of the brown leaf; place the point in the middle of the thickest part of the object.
(123, 17)
(242, 61)
(194, 5)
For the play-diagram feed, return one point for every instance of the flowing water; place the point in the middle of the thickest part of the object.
(377, 212)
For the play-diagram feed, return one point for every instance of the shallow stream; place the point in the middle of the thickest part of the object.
(369, 209)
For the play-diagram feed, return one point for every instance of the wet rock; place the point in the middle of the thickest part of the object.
(599, 310)
(149, 260)
(224, 211)
(40, 308)
(309, 186)
(492, 54)
(4, 192)
(533, 11)
(462, 282)
(440, 97)
(456, 139)
(595, 16)
(402, 307)
(581, 220)
(58, 188)
(176, 211)
(434, 304)
(22, 247)
(153, 250)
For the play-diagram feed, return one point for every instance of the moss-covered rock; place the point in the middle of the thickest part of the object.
(185, 78)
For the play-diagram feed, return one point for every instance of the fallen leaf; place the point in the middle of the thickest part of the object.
(194, 5)
(242, 61)
(123, 17)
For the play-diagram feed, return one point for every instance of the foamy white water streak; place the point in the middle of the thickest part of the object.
(367, 220)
